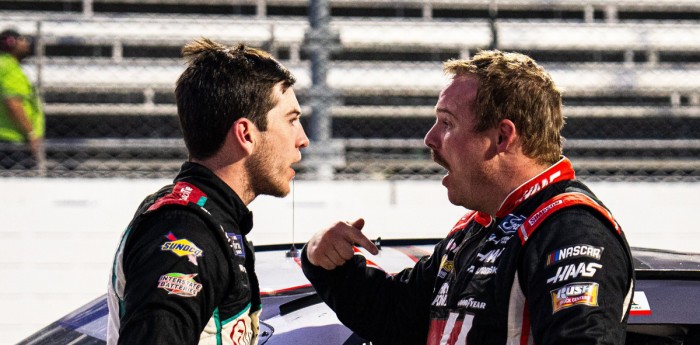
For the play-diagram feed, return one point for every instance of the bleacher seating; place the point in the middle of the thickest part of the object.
(630, 71)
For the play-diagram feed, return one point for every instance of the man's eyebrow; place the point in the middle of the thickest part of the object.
(294, 112)
(444, 111)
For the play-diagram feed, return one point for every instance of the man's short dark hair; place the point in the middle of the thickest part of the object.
(221, 85)
(8, 39)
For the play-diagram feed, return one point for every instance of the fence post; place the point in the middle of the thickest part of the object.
(319, 42)
(38, 87)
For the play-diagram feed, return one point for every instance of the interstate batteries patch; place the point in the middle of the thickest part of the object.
(179, 284)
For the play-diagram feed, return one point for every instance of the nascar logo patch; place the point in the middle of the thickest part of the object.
(574, 251)
(574, 294)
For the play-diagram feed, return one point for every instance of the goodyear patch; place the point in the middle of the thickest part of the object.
(179, 284)
(236, 243)
(574, 294)
(581, 250)
(182, 247)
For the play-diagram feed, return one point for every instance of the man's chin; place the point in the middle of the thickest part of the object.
(279, 192)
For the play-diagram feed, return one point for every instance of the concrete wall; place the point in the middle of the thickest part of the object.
(58, 235)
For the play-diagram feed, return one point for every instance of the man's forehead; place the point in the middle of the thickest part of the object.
(459, 92)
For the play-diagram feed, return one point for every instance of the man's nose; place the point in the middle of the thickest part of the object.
(304, 140)
(429, 140)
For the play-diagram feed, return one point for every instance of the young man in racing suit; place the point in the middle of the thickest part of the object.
(184, 272)
(537, 260)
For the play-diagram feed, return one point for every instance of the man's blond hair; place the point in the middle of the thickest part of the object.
(512, 86)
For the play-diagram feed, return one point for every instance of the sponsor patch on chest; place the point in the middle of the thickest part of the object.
(236, 243)
(441, 297)
(510, 223)
(471, 303)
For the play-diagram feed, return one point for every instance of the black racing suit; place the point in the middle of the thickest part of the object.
(497, 280)
(184, 271)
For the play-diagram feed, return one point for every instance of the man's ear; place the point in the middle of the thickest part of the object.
(244, 133)
(507, 135)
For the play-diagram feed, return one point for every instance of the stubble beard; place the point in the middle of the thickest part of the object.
(457, 195)
(262, 173)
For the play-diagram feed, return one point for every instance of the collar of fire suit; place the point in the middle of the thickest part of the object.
(560, 171)
(218, 192)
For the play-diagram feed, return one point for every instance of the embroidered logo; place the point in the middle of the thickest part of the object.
(236, 243)
(471, 303)
(574, 251)
(567, 272)
(510, 223)
(574, 294)
(441, 298)
(182, 247)
(179, 284)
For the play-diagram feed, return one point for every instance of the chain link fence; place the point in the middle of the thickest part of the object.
(369, 74)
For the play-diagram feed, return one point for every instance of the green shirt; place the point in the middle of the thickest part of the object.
(14, 83)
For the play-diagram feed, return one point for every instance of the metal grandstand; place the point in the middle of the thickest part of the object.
(630, 72)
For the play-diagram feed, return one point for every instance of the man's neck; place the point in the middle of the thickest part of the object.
(234, 175)
(514, 176)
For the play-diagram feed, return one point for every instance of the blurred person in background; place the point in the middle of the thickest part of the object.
(21, 114)
(537, 259)
(184, 271)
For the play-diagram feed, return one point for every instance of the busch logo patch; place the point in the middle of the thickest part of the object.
(510, 223)
(573, 252)
(179, 284)
(567, 272)
(182, 247)
(574, 294)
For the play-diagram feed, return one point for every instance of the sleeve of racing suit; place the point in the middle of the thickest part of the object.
(382, 308)
(171, 288)
(577, 278)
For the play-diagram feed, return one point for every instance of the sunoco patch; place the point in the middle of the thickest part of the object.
(182, 247)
